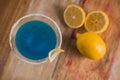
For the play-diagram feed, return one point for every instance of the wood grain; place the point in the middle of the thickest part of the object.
(18, 70)
(70, 65)
(10, 11)
(74, 67)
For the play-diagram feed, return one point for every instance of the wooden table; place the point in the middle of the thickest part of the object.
(70, 65)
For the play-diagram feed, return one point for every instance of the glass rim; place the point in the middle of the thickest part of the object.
(27, 59)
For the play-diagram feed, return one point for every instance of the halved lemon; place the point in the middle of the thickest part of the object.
(54, 53)
(74, 16)
(96, 21)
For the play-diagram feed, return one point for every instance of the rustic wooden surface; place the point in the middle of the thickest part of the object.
(70, 65)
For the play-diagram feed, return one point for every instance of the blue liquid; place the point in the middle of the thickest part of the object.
(34, 40)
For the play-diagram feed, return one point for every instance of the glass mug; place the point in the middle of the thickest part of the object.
(26, 36)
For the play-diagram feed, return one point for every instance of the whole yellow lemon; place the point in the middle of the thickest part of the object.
(91, 45)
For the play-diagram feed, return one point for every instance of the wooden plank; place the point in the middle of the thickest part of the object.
(71, 65)
(10, 11)
(16, 69)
